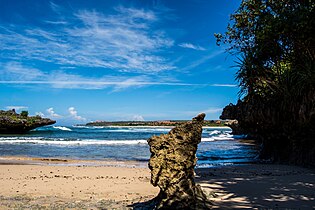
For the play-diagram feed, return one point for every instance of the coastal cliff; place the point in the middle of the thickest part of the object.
(172, 162)
(286, 133)
(14, 123)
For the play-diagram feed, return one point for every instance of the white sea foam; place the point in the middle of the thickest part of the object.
(140, 130)
(62, 128)
(145, 129)
(207, 139)
(225, 136)
(61, 141)
(20, 138)
(221, 137)
(130, 129)
(80, 126)
(214, 132)
(89, 127)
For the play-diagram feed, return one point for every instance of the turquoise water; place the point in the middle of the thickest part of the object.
(218, 146)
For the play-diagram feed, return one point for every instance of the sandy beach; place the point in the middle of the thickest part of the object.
(28, 183)
(259, 186)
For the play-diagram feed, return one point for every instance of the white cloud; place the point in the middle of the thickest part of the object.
(137, 15)
(16, 107)
(224, 85)
(137, 118)
(56, 22)
(16, 71)
(212, 110)
(191, 46)
(40, 114)
(117, 85)
(203, 60)
(125, 41)
(52, 113)
(74, 114)
(55, 7)
(206, 111)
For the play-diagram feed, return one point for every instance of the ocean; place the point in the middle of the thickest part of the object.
(217, 148)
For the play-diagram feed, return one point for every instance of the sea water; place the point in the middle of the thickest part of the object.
(218, 146)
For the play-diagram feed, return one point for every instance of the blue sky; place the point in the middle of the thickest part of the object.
(77, 61)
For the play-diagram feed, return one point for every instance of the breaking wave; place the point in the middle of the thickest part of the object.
(62, 128)
(61, 141)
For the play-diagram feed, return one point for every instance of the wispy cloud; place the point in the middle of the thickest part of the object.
(56, 22)
(137, 118)
(211, 110)
(17, 74)
(15, 70)
(16, 107)
(55, 7)
(224, 85)
(202, 60)
(191, 46)
(124, 41)
(117, 85)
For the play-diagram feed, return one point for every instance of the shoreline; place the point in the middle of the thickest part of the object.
(59, 183)
(59, 161)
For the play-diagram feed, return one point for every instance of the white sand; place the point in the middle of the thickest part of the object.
(100, 185)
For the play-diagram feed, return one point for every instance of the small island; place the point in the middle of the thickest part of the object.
(209, 123)
(14, 123)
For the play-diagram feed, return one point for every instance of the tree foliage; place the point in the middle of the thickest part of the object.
(275, 43)
(24, 114)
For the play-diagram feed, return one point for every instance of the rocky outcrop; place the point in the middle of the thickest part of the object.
(13, 123)
(172, 162)
(236, 129)
(285, 131)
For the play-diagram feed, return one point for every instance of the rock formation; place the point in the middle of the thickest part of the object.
(285, 132)
(236, 129)
(13, 123)
(172, 162)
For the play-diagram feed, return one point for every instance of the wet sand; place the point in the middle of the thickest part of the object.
(28, 183)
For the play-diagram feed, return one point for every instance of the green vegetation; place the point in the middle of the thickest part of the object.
(274, 41)
(24, 114)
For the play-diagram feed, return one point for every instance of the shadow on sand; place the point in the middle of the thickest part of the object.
(259, 187)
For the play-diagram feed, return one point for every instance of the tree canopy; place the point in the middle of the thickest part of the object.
(274, 41)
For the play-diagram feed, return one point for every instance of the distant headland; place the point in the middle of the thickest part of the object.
(210, 123)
